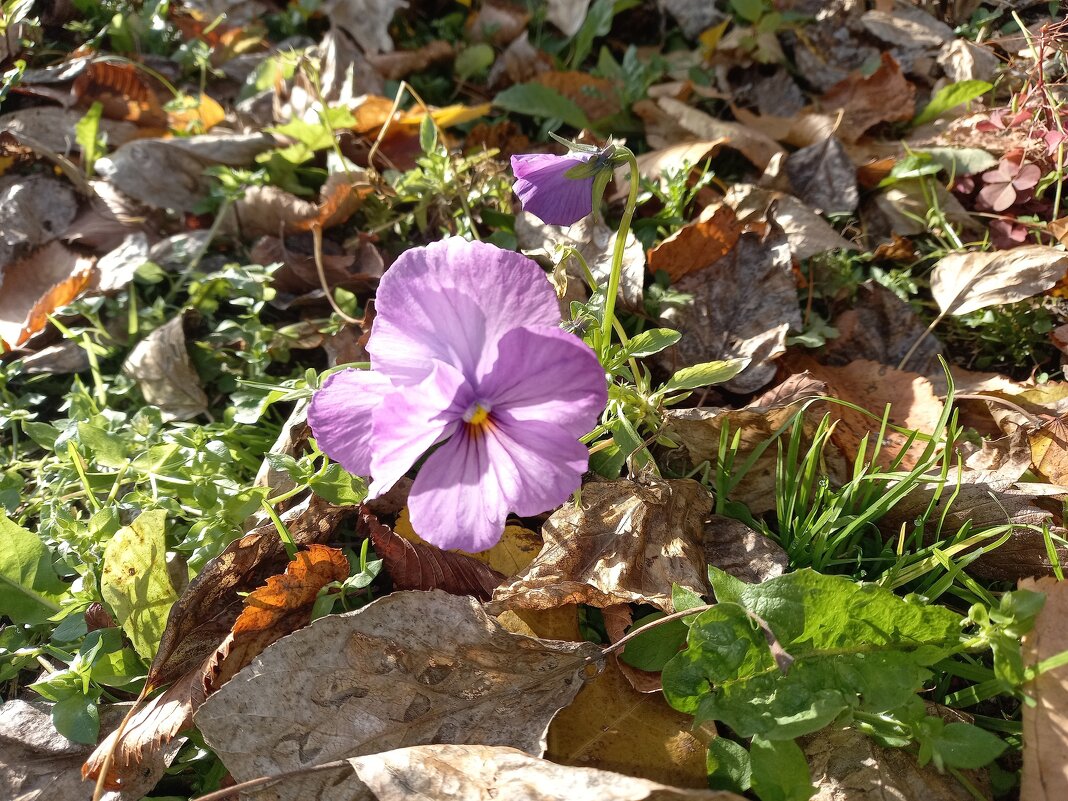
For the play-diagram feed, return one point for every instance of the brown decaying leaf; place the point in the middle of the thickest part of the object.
(34, 209)
(402, 63)
(1045, 725)
(422, 566)
(54, 128)
(697, 244)
(596, 97)
(497, 23)
(698, 431)
(735, 548)
(411, 668)
(282, 605)
(122, 90)
(626, 542)
(806, 231)
(35, 286)
(1049, 451)
(822, 175)
(37, 763)
(969, 281)
(884, 96)
(617, 620)
(743, 306)
(755, 146)
(160, 365)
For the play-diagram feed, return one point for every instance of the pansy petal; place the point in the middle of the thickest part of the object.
(452, 301)
(457, 500)
(547, 461)
(546, 374)
(544, 189)
(413, 421)
(340, 416)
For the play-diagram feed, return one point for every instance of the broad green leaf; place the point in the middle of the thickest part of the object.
(106, 448)
(649, 342)
(77, 718)
(339, 486)
(780, 772)
(473, 60)
(838, 645)
(959, 161)
(703, 375)
(135, 583)
(652, 650)
(950, 97)
(748, 10)
(536, 100)
(961, 745)
(729, 766)
(29, 587)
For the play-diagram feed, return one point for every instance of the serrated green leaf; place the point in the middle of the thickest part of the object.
(135, 583)
(535, 100)
(780, 772)
(703, 375)
(29, 587)
(950, 97)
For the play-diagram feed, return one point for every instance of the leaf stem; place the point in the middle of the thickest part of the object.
(622, 641)
(617, 254)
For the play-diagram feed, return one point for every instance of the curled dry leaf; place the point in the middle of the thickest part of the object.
(755, 146)
(122, 90)
(37, 763)
(282, 605)
(743, 306)
(411, 668)
(160, 365)
(806, 231)
(35, 286)
(1045, 723)
(422, 566)
(698, 244)
(883, 96)
(626, 542)
(966, 282)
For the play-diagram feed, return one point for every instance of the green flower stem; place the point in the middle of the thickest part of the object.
(617, 254)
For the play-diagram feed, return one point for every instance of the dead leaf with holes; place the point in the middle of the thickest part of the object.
(627, 541)
(160, 365)
(743, 306)
(696, 245)
(864, 102)
(410, 668)
(969, 281)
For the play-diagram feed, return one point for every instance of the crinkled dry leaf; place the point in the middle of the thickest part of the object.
(422, 566)
(806, 231)
(401, 63)
(1049, 451)
(411, 668)
(123, 90)
(37, 763)
(969, 281)
(625, 542)
(755, 146)
(822, 175)
(53, 128)
(1045, 724)
(35, 286)
(612, 726)
(698, 244)
(160, 365)
(34, 209)
(743, 306)
(907, 26)
(735, 548)
(883, 96)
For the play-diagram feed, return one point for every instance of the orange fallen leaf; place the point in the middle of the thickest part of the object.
(198, 114)
(698, 244)
(884, 96)
(122, 90)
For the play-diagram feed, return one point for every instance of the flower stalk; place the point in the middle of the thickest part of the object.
(617, 253)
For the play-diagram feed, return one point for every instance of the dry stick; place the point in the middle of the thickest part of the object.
(317, 251)
(905, 359)
(262, 781)
(102, 777)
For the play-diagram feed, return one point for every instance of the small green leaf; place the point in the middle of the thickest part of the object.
(951, 96)
(703, 375)
(473, 61)
(652, 650)
(339, 486)
(964, 746)
(77, 718)
(106, 448)
(536, 100)
(959, 161)
(87, 135)
(649, 342)
(729, 766)
(748, 10)
(780, 772)
(428, 135)
(135, 581)
(29, 587)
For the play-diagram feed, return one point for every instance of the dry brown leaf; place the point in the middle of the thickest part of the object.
(807, 232)
(699, 431)
(822, 175)
(1049, 451)
(357, 270)
(567, 15)
(366, 21)
(62, 358)
(160, 365)
(755, 146)
(37, 763)
(902, 209)
(883, 96)
(123, 91)
(743, 306)
(476, 772)
(408, 669)
(402, 63)
(697, 244)
(969, 281)
(735, 548)
(1045, 725)
(612, 726)
(656, 163)
(907, 27)
(560, 623)
(53, 128)
(625, 542)
(520, 62)
(35, 286)
(597, 97)
(799, 130)
(497, 23)
(513, 552)
(422, 566)
(34, 209)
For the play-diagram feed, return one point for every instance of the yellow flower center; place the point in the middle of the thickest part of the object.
(479, 415)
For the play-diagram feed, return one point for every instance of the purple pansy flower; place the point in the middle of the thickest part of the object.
(466, 355)
(545, 190)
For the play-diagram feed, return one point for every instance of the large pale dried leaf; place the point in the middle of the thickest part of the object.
(699, 432)
(626, 542)
(743, 306)
(118, 267)
(109, 217)
(34, 209)
(367, 21)
(1049, 451)
(612, 726)
(53, 128)
(883, 96)
(847, 765)
(907, 27)
(755, 146)
(567, 15)
(902, 209)
(667, 160)
(35, 286)
(969, 281)
(698, 244)
(169, 173)
(799, 130)
(822, 175)
(160, 365)
(422, 566)
(37, 763)
(1045, 725)
(807, 232)
(735, 548)
(411, 668)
